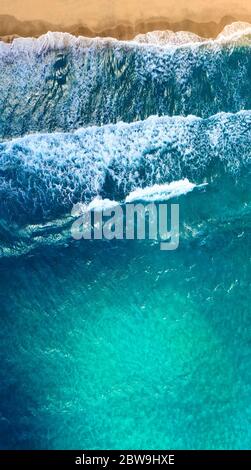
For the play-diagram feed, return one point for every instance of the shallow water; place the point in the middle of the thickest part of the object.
(60, 83)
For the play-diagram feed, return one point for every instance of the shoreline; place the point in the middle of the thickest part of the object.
(11, 28)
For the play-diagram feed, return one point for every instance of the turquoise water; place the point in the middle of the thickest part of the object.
(119, 345)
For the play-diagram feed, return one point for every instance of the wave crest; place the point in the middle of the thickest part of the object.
(42, 176)
(60, 83)
(237, 32)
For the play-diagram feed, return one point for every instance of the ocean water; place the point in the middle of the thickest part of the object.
(117, 344)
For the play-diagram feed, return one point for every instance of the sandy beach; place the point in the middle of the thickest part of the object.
(122, 20)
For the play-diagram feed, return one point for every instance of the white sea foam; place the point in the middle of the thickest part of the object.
(48, 173)
(234, 32)
(99, 204)
(60, 83)
(161, 192)
(164, 38)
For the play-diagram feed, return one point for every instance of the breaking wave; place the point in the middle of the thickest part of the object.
(238, 32)
(42, 176)
(162, 192)
(60, 83)
(190, 98)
